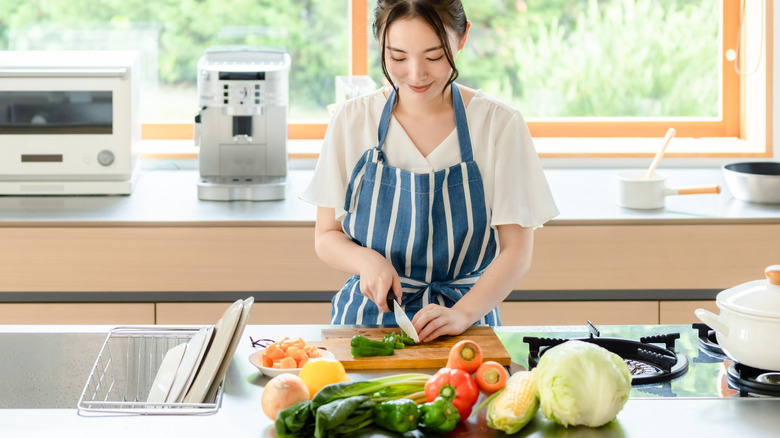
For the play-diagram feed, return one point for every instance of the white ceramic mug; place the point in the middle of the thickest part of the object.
(635, 190)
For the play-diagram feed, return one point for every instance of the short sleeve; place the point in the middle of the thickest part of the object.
(327, 187)
(521, 194)
(351, 130)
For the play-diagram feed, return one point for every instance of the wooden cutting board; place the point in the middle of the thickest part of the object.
(424, 355)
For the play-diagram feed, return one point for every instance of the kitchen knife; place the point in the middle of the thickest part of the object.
(401, 318)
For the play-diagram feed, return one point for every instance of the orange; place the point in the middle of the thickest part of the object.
(321, 371)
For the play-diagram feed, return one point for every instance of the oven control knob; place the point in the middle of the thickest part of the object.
(105, 157)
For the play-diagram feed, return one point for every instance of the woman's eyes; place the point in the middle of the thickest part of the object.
(404, 59)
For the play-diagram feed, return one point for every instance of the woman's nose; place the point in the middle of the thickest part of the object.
(417, 70)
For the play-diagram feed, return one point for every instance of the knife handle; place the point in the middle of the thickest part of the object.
(390, 299)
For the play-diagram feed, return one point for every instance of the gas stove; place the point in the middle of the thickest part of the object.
(666, 361)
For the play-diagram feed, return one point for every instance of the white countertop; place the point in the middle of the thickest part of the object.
(164, 197)
(241, 414)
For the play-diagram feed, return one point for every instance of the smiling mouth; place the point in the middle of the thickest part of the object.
(420, 89)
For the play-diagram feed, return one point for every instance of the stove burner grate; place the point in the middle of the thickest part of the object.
(647, 361)
(753, 381)
(708, 341)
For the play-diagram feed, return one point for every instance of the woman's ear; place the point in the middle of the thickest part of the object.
(462, 41)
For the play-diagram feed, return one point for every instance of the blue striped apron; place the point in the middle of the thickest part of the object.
(433, 227)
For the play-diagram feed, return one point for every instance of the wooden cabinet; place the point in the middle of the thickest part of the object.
(578, 312)
(262, 313)
(77, 313)
(681, 312)
(258, 260)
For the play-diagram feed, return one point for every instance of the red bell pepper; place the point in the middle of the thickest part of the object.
(466, 389)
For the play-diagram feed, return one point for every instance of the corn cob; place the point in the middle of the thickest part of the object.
(517, 403)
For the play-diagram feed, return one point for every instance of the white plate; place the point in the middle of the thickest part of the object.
(196, 349)
(256, 359)
(165, 375)
(223, 335)
(231, 350)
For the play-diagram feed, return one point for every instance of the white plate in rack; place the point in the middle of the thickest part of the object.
(231, 348)
(193, 356)
(166, 374)
(223, 334)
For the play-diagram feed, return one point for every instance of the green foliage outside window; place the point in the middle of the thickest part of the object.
(583, 58)
(550, 58)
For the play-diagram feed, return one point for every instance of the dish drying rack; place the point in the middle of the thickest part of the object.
(123, 373)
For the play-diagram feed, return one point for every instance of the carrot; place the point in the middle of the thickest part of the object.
(295, 350)
(465, 355)
(274, 352)
(491, 376)
(288, 363)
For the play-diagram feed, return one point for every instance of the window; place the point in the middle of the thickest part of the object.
(604, 68)
(575, 68)
(172, 35)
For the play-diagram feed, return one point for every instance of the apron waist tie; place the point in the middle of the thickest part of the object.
(434, 291)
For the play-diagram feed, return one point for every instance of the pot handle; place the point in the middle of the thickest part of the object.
(712, 320)
(699, 190)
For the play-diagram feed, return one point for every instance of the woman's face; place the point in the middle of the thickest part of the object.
(416, 61)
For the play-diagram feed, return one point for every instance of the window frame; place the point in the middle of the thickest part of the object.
(732, 123)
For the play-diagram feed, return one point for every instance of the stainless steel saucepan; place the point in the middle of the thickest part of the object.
(757, 181)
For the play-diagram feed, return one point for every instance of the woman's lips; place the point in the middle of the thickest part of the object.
(420, 89)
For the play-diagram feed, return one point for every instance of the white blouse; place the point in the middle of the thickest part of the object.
(515, 186)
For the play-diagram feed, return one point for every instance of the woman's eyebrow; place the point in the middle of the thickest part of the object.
(403, 51)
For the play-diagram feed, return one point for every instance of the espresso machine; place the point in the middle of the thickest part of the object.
(241, 128)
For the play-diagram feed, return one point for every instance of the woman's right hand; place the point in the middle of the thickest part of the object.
(378, 278)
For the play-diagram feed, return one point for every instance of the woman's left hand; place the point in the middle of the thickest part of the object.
(434, 320)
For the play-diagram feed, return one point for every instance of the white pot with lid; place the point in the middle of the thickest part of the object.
(748, 327)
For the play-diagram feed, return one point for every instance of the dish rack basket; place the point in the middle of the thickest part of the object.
(123, 373)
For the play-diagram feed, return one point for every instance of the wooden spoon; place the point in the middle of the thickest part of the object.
(669, 135)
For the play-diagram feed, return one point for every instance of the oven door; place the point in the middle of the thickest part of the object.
(66, 124)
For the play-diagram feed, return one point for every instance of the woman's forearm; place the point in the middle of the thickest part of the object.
(335, 248)
(510, 265)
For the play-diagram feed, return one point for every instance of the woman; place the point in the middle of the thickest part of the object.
(419, 183)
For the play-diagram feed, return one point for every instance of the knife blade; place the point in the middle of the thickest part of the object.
(403, 320)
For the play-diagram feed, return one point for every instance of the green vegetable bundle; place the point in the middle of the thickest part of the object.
(345, 407)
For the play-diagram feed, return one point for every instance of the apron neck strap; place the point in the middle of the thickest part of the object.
(461, 122)
(384, 122)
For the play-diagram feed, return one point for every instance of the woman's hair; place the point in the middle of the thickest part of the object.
(440, 15)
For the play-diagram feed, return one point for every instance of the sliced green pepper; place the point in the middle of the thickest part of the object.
(364, 347)
(399, 415)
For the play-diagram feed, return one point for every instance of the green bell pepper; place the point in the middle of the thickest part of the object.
(439, 415)
(399, 415)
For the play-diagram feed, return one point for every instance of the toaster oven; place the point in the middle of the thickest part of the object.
(68, 122)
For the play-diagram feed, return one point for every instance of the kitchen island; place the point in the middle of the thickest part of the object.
(240, 413)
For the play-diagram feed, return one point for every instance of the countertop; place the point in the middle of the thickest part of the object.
(166, 196)
(240, 413)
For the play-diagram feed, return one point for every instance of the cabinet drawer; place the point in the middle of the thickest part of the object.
(262, 313)
(77, 313)
(578, 312)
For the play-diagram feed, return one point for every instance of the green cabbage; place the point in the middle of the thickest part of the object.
(580, 383)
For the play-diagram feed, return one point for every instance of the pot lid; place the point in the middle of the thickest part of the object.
(759, 297)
